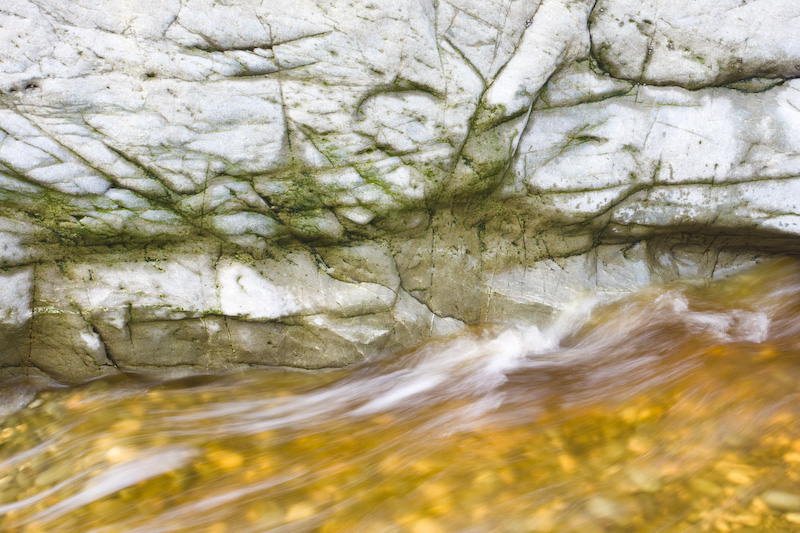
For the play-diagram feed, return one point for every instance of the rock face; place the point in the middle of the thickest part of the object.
(210, 186)
(696, 44)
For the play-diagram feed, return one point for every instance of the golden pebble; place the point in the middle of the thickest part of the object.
(505, 497)
(721, 525)
(506, 475)
(73, 402)
(6, 433)
(350, 442)
(499, 442)
(35, 527)
(266, 513)
(543, 520)
(629, 415)
(442, 507)
(160, 440)
(739, 478)
(217, 527)
(426, 525)
(751, 520)
(300, 511)
(717, 351)
(782, 440)
(252, 514)
(331, 526)
(792, 457)
(336, 468)
(390, 464)
(705, 487)
(373, 527)
(479, 512)
(265, 463)
(308, 441)
(406, 519)
(432, 490)
(226, 460)
(766, 352)
(129, 425)
(383, 419)
(640, 445)
(555, 439)
(323, 495)
(794, 518)
(669, 469)
(568, 463)
(782, 418)
(103, 443)
(120, 454)
(423, 466)
(485, 481)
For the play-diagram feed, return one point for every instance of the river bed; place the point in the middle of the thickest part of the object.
(676, 408)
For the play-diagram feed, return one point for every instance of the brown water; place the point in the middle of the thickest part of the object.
(675, 409)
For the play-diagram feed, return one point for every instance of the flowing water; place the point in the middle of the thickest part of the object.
(673, 409)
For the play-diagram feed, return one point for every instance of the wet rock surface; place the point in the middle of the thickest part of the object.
(209, 187)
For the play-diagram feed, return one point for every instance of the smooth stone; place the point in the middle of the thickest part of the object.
(794, 518)
(781, 501)
(705, 487)
(645, 480)
(609, 509)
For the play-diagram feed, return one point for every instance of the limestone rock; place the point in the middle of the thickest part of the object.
(211, 186)
(15, 314)
(696, 44)
(667, 157)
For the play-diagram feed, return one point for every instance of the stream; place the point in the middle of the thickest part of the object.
(676, 408)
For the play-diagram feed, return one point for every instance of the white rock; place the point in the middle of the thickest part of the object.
(16, 296)
(557, 35)
(659, 140)
(377, 172)
(579, 83)
(359, 215)
(244, 291)
(550, 283)
(245, 222)
(271, 289)
(696, 44)
(185, 284)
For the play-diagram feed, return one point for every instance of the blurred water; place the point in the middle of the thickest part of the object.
(674, 409)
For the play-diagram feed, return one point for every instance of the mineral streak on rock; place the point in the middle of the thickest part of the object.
(206, 187)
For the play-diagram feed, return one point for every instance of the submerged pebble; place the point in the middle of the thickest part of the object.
(781, 501)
